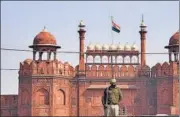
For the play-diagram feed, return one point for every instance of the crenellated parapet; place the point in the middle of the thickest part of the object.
(165, 70)
(53, 67)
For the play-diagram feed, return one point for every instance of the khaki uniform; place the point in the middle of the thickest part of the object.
(110, 100)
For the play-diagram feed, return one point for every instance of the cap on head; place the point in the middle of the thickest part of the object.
(113, 81)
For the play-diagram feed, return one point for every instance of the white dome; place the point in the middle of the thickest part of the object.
(120, 47)
(98, 47)
(112, 47)
(134, 47)
(90, 47)
(105, 47)
(127, 47)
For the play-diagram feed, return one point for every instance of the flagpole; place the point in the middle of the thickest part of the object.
(111, 30)
(112, 43)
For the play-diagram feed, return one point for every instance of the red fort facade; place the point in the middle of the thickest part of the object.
(48, 87)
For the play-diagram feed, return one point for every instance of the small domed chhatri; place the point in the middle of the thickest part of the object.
(127, 47)
(98, 47)
(120, 47)
(112, 47)
(90, 47)
(134, 47)
(105, 47)
(44, 37)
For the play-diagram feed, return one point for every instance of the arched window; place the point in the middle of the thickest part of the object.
(60, 97)
(90, 59)
(97, 59)
(42, 97)
(134, 59)
(104, 59)
(119, 59)
(127, 59)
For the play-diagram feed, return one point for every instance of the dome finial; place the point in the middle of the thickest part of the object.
(142, 21)
(81, 24)
(44, 29)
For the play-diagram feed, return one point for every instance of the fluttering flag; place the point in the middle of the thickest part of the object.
(115, 27)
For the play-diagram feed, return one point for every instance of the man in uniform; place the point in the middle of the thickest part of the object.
(110, 100)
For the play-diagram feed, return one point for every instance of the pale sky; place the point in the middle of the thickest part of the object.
(22, 21)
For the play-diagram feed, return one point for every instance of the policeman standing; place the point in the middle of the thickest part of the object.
(110, 100)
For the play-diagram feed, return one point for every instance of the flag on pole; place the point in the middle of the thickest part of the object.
(115, 27)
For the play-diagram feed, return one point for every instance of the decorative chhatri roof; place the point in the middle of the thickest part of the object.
(174, 40)
(44, 37)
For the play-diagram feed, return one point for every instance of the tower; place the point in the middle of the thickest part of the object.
(81, 32)
(44, 87)
(143, 42)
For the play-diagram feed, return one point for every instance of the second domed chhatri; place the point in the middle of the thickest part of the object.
(174, 40)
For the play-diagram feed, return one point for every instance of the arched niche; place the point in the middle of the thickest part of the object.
(42, 97)
(88, 70)
(60, 97)
(123, 71)
(101, 71)
(25, 97)
(131, 71)
(165, 99)
(116, 71)
(108, 71)
(94, 70)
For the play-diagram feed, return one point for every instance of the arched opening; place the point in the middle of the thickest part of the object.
(90, 59)
(134, 59)
(119, 59)
(42, 97)
(97, 59)
(44, 55)
(60, 97)
(127, 59)
(104, 59)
